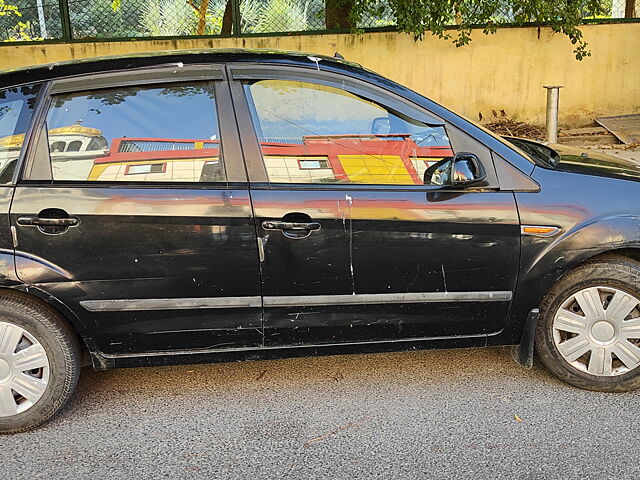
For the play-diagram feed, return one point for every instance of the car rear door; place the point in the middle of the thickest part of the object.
(356, 247)
(133, 210)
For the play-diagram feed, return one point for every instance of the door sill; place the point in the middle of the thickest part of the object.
(103, 361)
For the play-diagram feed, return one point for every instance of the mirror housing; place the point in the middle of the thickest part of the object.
(439, 173)
(381, 126)
(467, 170)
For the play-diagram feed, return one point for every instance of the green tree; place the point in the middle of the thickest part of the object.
(417, 17)
(20, 30)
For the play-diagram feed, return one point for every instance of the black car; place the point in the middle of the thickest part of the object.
(183, 207)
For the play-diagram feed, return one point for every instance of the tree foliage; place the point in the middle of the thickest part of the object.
(454, 19)
(21, 28)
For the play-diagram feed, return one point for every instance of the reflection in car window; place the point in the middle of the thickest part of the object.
(312, 133)
(163, 133)
(16, 109)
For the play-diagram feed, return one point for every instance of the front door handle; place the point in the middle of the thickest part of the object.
(280, 225)
(47, 222)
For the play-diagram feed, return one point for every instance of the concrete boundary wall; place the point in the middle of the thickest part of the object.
(505, 71)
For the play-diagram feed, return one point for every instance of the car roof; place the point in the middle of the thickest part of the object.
(54, 70)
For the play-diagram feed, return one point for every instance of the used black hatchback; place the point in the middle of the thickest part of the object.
(201, 206)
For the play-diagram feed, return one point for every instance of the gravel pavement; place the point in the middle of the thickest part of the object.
(632, 154)
(431, 414)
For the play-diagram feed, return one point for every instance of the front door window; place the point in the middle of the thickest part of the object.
(312, 133)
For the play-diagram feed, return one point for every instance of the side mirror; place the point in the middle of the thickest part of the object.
(381, 126)
(466, 170)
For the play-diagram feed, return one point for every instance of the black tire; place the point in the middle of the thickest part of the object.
(62, 349)
(612, 271)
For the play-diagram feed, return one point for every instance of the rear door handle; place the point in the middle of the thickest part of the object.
(47, 222)
(279, 225)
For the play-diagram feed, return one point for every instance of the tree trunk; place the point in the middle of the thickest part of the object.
(202, 16)
(630, 9)
(337, 14)
(227, 19)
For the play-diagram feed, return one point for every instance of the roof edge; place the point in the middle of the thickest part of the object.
(201, 51)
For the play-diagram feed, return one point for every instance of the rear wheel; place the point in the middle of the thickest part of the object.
(589, 329)
(39, 363)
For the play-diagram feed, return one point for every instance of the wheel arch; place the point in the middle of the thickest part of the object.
(629, 253)
(73, 324)
(544, 262)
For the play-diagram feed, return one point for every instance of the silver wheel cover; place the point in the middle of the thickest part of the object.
(24, 370)
(597, 331)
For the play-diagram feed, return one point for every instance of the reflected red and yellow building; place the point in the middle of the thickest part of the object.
(159, 159)
(369, 159)
(83, 153)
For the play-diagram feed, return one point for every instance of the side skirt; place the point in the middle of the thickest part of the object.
(103, 362)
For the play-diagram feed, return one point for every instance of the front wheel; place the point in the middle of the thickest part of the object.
(39, 363)
(589, 329)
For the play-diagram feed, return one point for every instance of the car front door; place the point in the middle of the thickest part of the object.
(134, 211)
(361, 239)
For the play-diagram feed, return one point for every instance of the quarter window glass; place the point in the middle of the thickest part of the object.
(16, 108)
(138, 134)
(312, 133)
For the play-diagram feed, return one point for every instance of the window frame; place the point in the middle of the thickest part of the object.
(256, 166)
(36, 167)
(127, 171)
(327, 160)
(31, 128)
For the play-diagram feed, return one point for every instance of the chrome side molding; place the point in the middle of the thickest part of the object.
(170, 303)
(380, 298)
(297, 300)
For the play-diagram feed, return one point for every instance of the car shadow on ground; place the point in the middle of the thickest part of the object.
(442, 370)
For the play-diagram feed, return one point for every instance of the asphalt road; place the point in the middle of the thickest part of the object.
(434, 414)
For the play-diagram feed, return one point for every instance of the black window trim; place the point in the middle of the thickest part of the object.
(29, 134)
(140, 76)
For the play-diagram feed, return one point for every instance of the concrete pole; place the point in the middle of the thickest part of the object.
(617, 9)
(553, 97)
(41, 20)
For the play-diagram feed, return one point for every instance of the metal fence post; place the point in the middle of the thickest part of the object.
(65, 20)
(553, 97)
(236, 18)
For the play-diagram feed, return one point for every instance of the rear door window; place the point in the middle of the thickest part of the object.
(16, 109)
(166, 133)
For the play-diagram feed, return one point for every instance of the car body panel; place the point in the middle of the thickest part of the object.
(147, 243)
(594, 217)
(387, 247)
(8, 275)
(576, 160)
(474, 234)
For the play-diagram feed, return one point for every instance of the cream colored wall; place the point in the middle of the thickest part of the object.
(502, 71)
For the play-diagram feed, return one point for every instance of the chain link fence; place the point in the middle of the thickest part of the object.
(32, 20)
